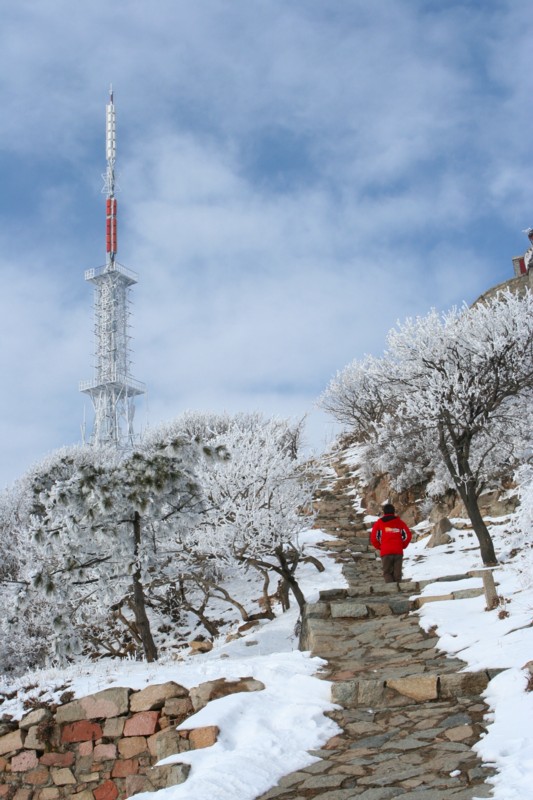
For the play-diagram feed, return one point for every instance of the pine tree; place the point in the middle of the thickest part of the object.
(104, 524)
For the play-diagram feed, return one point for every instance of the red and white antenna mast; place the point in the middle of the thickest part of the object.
(113, 389)
(109, 180)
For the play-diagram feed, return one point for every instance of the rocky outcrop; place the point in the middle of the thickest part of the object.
(107, 745)
(334, 501)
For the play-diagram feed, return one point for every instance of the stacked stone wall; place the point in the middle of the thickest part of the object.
(106, 745)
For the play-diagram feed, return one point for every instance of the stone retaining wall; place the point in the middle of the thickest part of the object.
(106, 745)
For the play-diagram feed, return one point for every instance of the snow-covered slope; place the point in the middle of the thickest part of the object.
(265, 735)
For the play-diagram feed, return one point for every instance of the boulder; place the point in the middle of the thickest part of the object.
(200, 646)
(443, 526)
(440, 535)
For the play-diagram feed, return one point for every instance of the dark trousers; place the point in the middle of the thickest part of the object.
(392, 568)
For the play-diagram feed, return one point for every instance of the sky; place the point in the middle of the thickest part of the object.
(294, 178)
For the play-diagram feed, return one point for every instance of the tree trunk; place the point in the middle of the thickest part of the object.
(139, 600)
(288, 575)
(465, 484)
(486, 546)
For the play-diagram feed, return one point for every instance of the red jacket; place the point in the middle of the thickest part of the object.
(390, 535)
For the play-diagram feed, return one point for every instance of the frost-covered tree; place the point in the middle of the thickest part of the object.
(522, 539)
(121, 547)
(22, 646)
(106, 524)
(256, 503)
(451, 397)
(27, 636)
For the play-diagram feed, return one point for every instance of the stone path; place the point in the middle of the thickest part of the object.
(409, 717)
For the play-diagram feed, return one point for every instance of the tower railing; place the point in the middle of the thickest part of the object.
(115, 379)
(97, 272)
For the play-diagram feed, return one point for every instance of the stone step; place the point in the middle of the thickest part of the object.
(331, 501)
(418, 688)
(371, 607)
(369, 555)
(341, 608)
(352, 549)
(371, 590)
(344, 526)
(382, 589)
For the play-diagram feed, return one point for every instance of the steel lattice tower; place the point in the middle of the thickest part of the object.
(112, 390)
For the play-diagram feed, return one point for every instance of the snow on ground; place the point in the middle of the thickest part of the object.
(263, 735)
(498, 639)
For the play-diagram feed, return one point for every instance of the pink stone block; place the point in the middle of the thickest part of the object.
(106, 791)
(57, 759)
(105, 752)
(203, 737)
(142, 724)
(24, 761)
(134, 746)
(37, 777)
(121, 769)
(82, 731)
(85, 749)
(23, 794)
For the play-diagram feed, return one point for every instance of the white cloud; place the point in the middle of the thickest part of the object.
(294, 177)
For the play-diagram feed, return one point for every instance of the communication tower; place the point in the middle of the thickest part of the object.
(112, 390)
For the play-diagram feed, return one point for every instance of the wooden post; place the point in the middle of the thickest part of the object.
(491, 595)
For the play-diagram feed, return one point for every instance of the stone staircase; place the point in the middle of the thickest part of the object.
(408, 715)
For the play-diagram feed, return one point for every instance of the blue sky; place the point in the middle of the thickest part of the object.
(294, 178)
